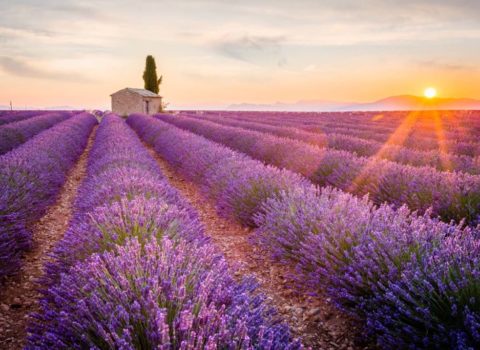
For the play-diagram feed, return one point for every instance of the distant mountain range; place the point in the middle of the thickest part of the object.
(393, 103)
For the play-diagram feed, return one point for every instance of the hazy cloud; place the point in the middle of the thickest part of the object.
(254, 49)
(434, 64)
(20, 68)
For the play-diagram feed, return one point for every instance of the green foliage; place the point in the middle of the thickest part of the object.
(152, 83)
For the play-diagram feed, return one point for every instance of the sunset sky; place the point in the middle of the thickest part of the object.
(61, 52)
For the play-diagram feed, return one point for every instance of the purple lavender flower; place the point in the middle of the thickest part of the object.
(412, 278)
(30, 178)
(450, 195)
(135, 271)
(158, 295)
(14, 134)
(105, 227)
(348, 142)
(239, 184)
(7, 117)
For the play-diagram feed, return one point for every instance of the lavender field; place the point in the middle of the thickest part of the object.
(240, 230)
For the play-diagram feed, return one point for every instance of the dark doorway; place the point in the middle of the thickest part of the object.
(147, 107)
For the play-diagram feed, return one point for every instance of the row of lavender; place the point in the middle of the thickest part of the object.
(409, 133)
(406, 135)
(414, 280)
(418, 125)
(449, 195)
(14, 134)
(135, 270)
(453, 120)
(367, 148)
(30, 178)
(16, 116)
(424, 124)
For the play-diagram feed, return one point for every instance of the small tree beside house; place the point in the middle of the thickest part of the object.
(152, 82)
(134, 100)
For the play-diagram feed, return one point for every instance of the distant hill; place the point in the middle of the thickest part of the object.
(297, 106)
(393, 103)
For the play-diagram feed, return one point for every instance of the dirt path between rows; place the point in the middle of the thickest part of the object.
(19, 296)
(315, 320)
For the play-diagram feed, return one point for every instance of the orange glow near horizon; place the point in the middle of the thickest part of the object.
(180, 89)
(377, 117)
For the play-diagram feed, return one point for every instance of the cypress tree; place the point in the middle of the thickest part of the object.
(152, 83)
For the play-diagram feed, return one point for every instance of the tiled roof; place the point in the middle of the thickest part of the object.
(142, 92)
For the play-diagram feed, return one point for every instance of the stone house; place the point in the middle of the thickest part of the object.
(131, 100)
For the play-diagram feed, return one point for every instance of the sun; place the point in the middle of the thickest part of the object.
(430, 92)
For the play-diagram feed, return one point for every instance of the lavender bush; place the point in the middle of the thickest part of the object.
(435, 302)
(112, 224)
(124, 196)
(161, 295)
(362, 147)
(16, 116)
(14, 134)
(239, 184)
(418, 131)
(120, 157)
(135, 270)
(451, 195)
(413, 279)
(30, 178)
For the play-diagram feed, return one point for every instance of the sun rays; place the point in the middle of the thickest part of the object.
(416, 124)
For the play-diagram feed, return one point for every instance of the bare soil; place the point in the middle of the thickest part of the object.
(313, 319)
(19, 295)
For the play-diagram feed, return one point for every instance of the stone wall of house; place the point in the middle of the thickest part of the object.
(127, 102)
(155, 105)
